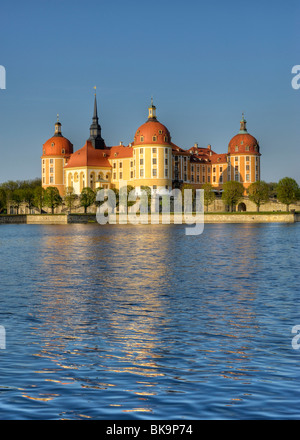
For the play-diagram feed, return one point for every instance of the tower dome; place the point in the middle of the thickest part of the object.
(57, 145)
(152, 131)
(243, 142)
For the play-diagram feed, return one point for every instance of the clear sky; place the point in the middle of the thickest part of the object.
(204, 63)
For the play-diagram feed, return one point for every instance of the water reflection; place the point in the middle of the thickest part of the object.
(128, 321)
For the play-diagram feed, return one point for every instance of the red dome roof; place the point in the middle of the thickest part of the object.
(152, 132)
(57, 146)
(243, 143)
(88, 156)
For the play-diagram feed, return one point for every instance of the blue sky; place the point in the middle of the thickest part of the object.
(204, 63)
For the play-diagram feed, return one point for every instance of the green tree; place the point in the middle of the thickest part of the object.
(39, 198)
(17, 198)
(258, 193)
(288, 191)
(70, 197)
(52, 198)
(209, 195)
(28, 196)
(2, 200)
(232, 193)
(272, 189)
(87, 198)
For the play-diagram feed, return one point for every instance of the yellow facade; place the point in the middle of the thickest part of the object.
(152, 160)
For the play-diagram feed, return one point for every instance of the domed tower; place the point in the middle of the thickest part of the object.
(152, 153)
(244, 157)
(56, 152)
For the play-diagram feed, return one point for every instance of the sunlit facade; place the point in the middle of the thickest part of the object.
(151, 160)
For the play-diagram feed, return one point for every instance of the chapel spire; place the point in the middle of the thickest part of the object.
(95, 129)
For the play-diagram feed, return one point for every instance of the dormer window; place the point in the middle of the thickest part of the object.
(142, 138)
(154, 138)
(236, 148)
(63, 151)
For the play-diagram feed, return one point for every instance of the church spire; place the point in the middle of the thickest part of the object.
(95, 130)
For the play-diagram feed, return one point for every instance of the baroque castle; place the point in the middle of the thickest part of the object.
(152, 160)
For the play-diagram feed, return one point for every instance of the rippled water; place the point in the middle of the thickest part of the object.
(144, 322)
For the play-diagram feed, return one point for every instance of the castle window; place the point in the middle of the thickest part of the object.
(247, 158)
(43, 179)
(121, 175)
(115, 165)
(115, 176)
(153, 150)
(221, 169)
(51, 160)
(154, 172)
(167, 150)
(214, 169)
(51, 170)
(142, 138)
(141, 150)
(166, 161)
(121, 165)
(165, 139)
(51, 179)
(247, 167)
(154, 138)
(160, 131)
(247, 177)
(131, 164)
(141, 161)
(141, 173)
(131, 174)
(247, 148)
(236, 159)
(154, 160)
(214, 179)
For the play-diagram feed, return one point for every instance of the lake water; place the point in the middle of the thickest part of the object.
(144, 322)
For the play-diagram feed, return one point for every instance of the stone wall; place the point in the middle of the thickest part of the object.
(82, 218)
(12, 219)
(250, 218)
(47, 219)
